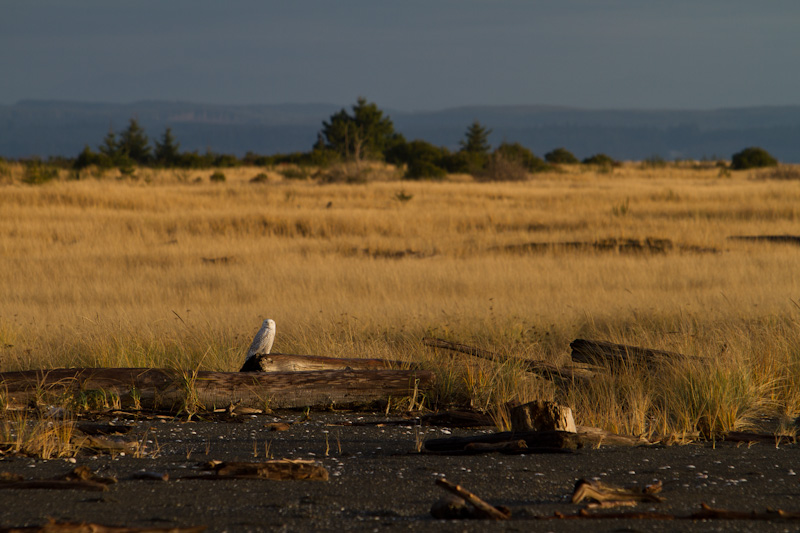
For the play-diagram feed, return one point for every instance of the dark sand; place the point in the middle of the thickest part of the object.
(379, 483)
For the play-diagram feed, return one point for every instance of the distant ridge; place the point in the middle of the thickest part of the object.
(50, 128)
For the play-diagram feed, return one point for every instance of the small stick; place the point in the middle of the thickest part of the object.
(485, 509)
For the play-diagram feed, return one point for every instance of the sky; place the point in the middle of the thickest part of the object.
(410, 55)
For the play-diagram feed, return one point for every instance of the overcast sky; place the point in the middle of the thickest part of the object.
(405, 55)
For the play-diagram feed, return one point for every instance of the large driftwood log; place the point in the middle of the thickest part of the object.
(541, 415)
(600, 352)
(536, 441)
(284, 362)
(156, 388)
(542, 368)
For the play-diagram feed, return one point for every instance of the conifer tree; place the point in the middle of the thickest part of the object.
(167, 150)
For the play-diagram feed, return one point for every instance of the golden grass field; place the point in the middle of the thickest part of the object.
(167, 270)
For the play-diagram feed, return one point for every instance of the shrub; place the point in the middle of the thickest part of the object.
(515, 152)
(37, 172)
(421, 169)
(561, 156)
(654, 161)
(217, 176)
(782, 172)
(260, 178)
(423, 160)
(752, 157)
(602, 160)
(502, 168)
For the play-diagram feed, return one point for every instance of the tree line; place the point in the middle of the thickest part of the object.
(362, 134)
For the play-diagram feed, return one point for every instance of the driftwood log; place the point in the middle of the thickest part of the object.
(535, 442)
(282, 362)
(154, 388)
(482, 508)
(607, 353)
(542, 368)
(54, 526)
(782, 239)
(541, 415)
(275, 469)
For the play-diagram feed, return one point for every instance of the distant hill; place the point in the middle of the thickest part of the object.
(48, 128)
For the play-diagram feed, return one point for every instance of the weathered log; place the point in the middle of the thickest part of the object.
(601, 352)
(484, 510)
(782, 239)
(541, 368)
(541, 415)
(601, 492)
(276, 469)
(282, 362)
(596, 438)
(88, 527)
(80, 478)
(536, 441)
(155, 388)
(533, 440)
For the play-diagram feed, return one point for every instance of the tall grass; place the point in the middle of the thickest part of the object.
(167, 272)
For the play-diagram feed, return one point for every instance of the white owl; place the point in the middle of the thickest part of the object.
(262, 343)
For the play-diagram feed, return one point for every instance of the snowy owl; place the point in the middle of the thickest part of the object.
(262, 344)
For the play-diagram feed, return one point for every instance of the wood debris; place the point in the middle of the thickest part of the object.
(535, 442)
(541, 415)
(80, 478)
(609, 495)
(610, 354)
(88, 527)
(160, 388)
(276, 469)
(706, 512)
(480, 508)
(542, 368)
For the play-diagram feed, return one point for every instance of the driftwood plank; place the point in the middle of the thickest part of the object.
(542, 368)
(601, 352)
(156, 388)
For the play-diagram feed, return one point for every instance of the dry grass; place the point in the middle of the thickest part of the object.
(163, 271)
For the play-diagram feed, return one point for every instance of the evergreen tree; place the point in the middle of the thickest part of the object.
(110, 146)
(476, 140)
(167, 150)
(134, 143)
(366, 134)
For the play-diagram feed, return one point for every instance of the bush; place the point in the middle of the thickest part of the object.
(515, 152)
(602, 160)
(654, 161)
(260, 178)
(422, 159)
(752, 157)
(37, 172)
(561, 156)
(217, 177)
(502, 168)
(421, 169)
